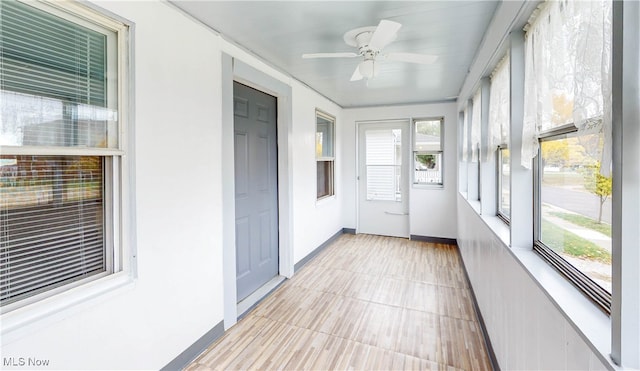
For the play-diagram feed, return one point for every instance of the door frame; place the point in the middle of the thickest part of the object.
(236, 70)
(357, 164)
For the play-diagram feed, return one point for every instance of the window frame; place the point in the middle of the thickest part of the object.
(329, 160)
(414, 152)
(118, 208)
(594, 292)
(499, 212)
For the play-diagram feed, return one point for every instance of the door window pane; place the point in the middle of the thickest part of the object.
(384, 164)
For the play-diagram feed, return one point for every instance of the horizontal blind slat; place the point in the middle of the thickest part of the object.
(45, 241)
(19, 260)
(43, 268)
(37, 43)
(58, 279)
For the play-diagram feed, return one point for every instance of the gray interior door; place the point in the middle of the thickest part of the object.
(256, 188)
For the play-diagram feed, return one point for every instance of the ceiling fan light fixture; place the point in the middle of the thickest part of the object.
(370, 41)
(368, 68)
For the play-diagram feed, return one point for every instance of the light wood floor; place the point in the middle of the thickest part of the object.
(365, 302)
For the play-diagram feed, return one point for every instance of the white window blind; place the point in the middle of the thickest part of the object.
(51, 216)
(57, 89)
(384, 163)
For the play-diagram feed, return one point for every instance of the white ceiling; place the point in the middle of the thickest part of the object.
(281, 31)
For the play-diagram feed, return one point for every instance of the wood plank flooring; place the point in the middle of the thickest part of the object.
(365, 302)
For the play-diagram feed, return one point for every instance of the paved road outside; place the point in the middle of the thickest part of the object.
(576, 200)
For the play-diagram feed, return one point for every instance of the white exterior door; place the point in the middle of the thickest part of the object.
(383, 178)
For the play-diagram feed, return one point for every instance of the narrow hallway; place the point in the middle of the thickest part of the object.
(365, 302)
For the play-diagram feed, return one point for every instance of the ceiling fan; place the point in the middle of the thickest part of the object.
(370, 41)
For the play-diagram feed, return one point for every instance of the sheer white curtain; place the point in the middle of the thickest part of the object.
(476, 120)
(465, 135)
(499, 108)
(568, 72)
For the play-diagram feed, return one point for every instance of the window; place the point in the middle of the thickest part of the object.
(325, 157)
(567, 124)
(61, 167)
(476, 120)
(499, 109)
(504, 179)
(427, 151)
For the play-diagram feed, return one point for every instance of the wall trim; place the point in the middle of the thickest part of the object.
(234, 69)
(194, 350)
(485, 334)
(349, 230)
(317, 250)
(448, 241)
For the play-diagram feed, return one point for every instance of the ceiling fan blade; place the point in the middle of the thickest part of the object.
(329, 55)
(356, 74)
(412, 58)
(386, 32)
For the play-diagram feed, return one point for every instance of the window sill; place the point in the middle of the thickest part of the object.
(27, 319)
(499, 228)
(475, 205)
(325, 200)
(427, 186)
(592, 325)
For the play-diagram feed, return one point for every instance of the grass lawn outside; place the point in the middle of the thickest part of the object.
(584, 221)
(563, 178)
(565, 242)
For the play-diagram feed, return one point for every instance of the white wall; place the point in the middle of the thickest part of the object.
(314, 221)
(178, 295)
(432, 211)
(526, 329)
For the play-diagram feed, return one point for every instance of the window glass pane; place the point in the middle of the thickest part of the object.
(427, 151)
(499, 105)
(384, 164)
(324, 137)
(325, 178)
(52, 218)
(428, 168)
(427, 135)
(475, 127)
(504, 176)
(576, 205)
(465, 135)
(54, 81)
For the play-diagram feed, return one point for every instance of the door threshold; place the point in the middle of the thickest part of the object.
(248, 303)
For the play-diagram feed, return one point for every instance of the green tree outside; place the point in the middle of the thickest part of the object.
(597, 184)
